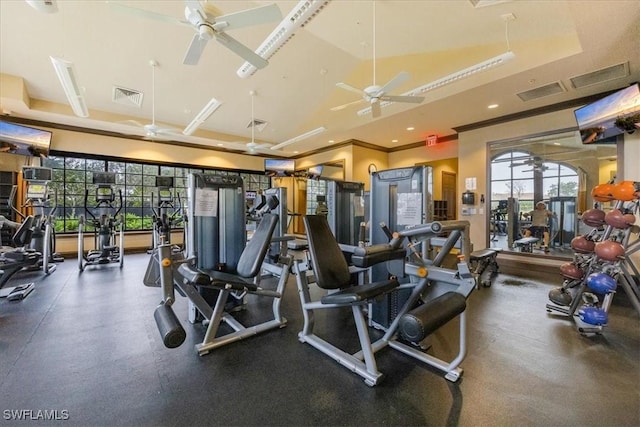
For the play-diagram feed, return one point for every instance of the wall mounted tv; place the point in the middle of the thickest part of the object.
(597, 121)
(18, 139)
(279, 167)
(314, 172)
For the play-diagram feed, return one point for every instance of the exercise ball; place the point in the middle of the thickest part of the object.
(617, 219)
(593, 217)
(601, 283)
(571, 271)
(593, 316)
(602, 192)
(626, 191)
(609, 250)
(582, 245)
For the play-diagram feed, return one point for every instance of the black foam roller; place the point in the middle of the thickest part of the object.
(425, 319)
(171, 331)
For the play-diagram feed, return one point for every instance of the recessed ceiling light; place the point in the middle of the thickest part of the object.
(410, 128)
(295, 152)
(220, 144)
(331, 141)
(394, 140)
(491, 106)
(556, 143)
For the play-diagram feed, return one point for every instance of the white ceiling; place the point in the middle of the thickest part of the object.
(552, 41)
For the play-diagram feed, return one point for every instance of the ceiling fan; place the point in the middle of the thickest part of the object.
(536, 163)
(375, 94)
(252, 147)
(152, 130)
(208, 22)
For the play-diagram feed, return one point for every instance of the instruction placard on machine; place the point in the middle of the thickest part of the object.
(409, 208)
(206, 202)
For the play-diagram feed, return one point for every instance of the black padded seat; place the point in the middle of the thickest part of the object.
(356, 294)
(248, 266)
(330, 267)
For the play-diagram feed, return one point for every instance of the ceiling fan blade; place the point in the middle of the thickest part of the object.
(351, 88)
(412, 99)
(194, 51)
(402, 77)
(343, 106)
(249, 17)
(375, 109)
(240, 49)
(130, 10)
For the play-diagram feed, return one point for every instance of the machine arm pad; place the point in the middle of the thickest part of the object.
(370, 255)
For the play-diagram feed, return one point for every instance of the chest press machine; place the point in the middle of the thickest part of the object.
(446, 290)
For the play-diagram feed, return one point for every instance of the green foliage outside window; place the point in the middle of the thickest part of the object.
(72, 183)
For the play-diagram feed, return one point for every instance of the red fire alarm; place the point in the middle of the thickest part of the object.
(432, 140)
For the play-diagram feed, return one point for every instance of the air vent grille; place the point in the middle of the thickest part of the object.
(122, 95)
(542, 91)
(600, 76)
(258, 124)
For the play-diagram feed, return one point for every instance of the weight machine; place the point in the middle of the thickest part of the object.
(108, 229)
(220, 270)
(38, 199)
(443, 293)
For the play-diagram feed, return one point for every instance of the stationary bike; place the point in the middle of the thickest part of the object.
(105, 226)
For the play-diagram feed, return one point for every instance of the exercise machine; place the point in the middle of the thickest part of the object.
(107, 225)
(18, 259)
(167, 215)
(399, 198)
(38, 201)
(436, 296)
(345, 211)
(219, 270)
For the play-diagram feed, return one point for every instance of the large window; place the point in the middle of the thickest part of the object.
(529, 178)
(135, 181)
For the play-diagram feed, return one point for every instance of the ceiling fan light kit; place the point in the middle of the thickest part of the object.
(299, 138)
(202, 116)
(458, 75)
(66, 74)
(299, 16)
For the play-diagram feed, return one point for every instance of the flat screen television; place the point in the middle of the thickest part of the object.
(597, 121)
(24, 140)
(314, 172)
(279, 167)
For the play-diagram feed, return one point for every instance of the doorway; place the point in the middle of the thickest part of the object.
(449, 193)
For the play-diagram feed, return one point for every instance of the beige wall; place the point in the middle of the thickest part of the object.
(470, 150)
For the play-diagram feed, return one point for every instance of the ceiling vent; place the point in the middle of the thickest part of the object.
(600, 76)
(542, 91)
(258, 124)
(124, 96)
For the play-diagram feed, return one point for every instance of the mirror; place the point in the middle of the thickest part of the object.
(306, 191)
(556, 169)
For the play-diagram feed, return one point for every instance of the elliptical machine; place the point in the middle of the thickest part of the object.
(38, 199)
(167, 215)
(105, 226)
